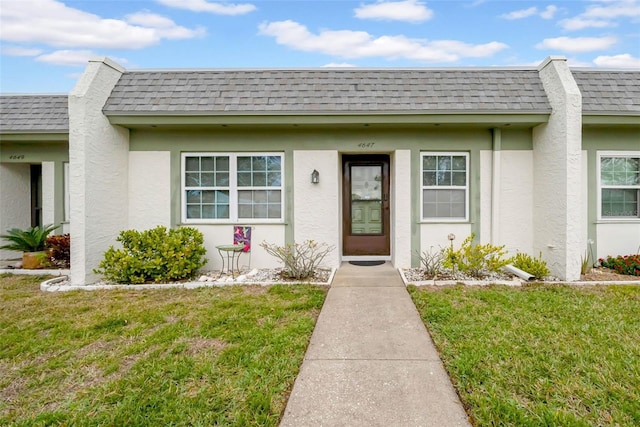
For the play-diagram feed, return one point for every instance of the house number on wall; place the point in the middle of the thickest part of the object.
(16, 157)
(366, 144)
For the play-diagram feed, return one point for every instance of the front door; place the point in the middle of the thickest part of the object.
(365, 212)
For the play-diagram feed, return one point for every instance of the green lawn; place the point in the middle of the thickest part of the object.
(539, 355)
(211, 356)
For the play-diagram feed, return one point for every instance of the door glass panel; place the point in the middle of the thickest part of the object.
(366, 199)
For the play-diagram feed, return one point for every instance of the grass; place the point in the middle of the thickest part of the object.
(211, 356)
(539, 355)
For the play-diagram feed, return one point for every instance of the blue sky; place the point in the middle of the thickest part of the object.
(45, 44)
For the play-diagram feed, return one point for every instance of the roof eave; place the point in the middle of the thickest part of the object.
(324, 118)
(610, 118)
(34, 135)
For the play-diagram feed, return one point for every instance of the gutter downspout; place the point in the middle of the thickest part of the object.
(496, 172)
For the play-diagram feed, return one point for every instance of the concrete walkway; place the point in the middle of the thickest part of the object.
(371, 361)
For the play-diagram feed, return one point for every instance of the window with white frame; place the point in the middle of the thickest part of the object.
(445, 186)
(230, 187)
(619, 180)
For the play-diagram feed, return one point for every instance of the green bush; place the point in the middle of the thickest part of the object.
(155, 255)
(33, 239)
(475, 258)
(300, 259)
(627, 264)
(534, 266)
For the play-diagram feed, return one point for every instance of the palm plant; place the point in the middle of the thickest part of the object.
(33, 239)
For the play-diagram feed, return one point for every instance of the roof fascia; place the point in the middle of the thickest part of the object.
(136, 120)
(31, 136)
(610, 119)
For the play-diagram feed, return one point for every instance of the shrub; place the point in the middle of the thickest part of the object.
(33, 239)
(431, 261)
(475, 258)
(300, 259)
(155, 255)
(627, 264)
(534, 266)
(60, 250)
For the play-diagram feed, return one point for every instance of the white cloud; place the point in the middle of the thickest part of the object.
(624, 60)
(519, 14)
(578, 23)
(610, 9)
(211, 7)
(52, 23)
(603, 14)
(360, 44)
(577, 44)
(20, 51)
(406, 10)
(72, 58)
(549, 12)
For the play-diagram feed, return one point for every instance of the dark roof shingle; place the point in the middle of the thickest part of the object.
(328, 91)
(34, 113)
(616, 92)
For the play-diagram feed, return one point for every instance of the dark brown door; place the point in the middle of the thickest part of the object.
(365, 212)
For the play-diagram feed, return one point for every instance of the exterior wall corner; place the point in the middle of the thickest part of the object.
(557, 168)
(98, 163)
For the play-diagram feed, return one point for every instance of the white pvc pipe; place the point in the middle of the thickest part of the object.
(521, 274)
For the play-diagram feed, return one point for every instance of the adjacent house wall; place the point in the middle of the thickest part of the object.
(98, 157)
(557, 174)
(316, 207)
(15, 209)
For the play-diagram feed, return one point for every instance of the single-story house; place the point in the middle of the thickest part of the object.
(380, 163)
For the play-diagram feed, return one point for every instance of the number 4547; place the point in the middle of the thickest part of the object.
(366, 144)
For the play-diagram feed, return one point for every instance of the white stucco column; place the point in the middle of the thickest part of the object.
(557, 173)
(48, 193)
(316, 207)
(15, 194)
(401, 209)
(98, 167)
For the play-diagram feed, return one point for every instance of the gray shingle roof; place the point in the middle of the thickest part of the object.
(616, 92)
(34, 113)
(328, 91)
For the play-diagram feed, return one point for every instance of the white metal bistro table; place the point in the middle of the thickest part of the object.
(230, 254)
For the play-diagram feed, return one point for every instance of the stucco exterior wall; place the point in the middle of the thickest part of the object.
(618, 239)
(516, 202)
(149, 189)
(98, 158)
(316, 207)
(15, 193)
(401, 209)
(433, 237)
(48, 192)
(557, 174)
(215, 235)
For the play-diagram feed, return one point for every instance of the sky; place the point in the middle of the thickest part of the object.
(45, 44)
